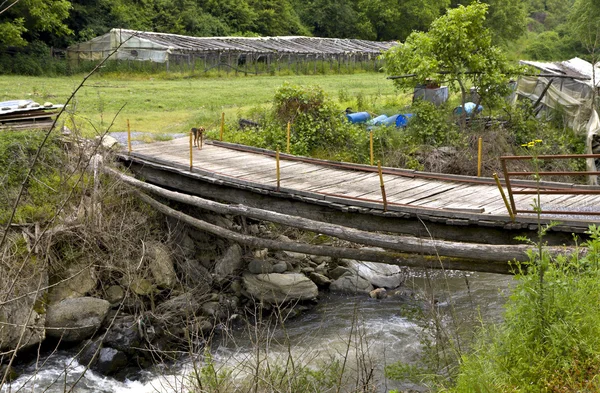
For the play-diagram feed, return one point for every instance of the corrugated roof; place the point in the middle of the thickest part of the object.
(282, 44)
(576, 68)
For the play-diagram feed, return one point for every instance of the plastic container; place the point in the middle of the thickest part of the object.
(358, 117)
(376, 121)
(402, 120)
(469, 108)
(399, 120)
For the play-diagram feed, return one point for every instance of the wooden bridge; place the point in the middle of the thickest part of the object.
(452, 207)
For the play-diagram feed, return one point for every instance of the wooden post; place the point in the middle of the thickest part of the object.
(128, 137)
(508, 187)
(191, 152)
(371, 144)
(382, 186)
(510, 212)
(278, 172)
(479, 146)
(222, 124)
(288, 138)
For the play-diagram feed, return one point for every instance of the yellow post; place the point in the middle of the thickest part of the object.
(222, 124)
(191, 152)
(510, 212)
(128, 137)
(278, 172)
(479, 148)
(371, 144)
(382, 186)
(288, 138)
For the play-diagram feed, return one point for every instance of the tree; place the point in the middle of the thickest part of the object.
(26, 20)
(506, 18)
(457, 46)
(585, 26)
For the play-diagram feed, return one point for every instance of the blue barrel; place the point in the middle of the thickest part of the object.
(402, 120)
(358, 117)
(378, 120)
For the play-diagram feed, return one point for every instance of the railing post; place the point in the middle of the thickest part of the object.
(371, 145)
(278, 171)
(479, 148)
(222, 125)
(508, 187)
(510, 212)
(382, 186)
(128, 137)
(191, 152)
(288, 138)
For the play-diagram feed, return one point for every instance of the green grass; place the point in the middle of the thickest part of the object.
(173, 106)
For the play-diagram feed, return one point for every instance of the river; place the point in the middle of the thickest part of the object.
(385, 331)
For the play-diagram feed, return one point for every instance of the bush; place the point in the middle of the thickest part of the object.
(550, 339)
(431, 125)
(318, 127)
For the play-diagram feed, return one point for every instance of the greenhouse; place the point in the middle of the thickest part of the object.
(241, 54)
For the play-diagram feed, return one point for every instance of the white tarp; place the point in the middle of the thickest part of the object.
(571, 97)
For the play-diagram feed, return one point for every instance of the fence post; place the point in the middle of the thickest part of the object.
(191, 152)
(479, 148)
(382, 186)
(371, 145)
(288, 138)
(222, 125)
(278, 171)
(128, 137)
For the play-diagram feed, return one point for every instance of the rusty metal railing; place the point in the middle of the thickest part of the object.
(547, 189)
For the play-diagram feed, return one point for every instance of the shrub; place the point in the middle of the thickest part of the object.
(550, 339)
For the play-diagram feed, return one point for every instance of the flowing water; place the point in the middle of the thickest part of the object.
(388, 333)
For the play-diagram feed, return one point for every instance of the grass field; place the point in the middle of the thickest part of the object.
(172, 106)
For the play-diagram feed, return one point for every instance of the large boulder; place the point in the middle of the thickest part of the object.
(76, 281)
(276, 288)
(260, 266)
(75, 319)
(161, 265)
(229, 263)
(21, 311)
(351, 283)
(380, 275)
(12, 318)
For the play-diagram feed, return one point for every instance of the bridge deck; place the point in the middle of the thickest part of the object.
(360, 185)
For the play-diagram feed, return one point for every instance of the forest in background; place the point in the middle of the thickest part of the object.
(532, 29)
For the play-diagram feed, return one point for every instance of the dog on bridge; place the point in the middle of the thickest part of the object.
(198, 136)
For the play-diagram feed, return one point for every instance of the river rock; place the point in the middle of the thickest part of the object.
(295, 255)
(276, 288)
(109, 141)
(194, 275)
(319, 279)
(261, 254)
(76, 281)
(161, 265)
(380, 275)
(124, 333)
(81, 316)
(280, 267)
(114, 294)
(351, 283)
(338, 272)
(260, 266)
(379, 293)
(229, 263)
(183, 306)
(110, 361)
(141, 286)
(18, 313)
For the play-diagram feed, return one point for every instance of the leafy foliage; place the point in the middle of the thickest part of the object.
(550, 339)
(457, 45)
(17, 150)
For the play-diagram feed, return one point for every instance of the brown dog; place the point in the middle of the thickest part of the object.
(198, 136)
